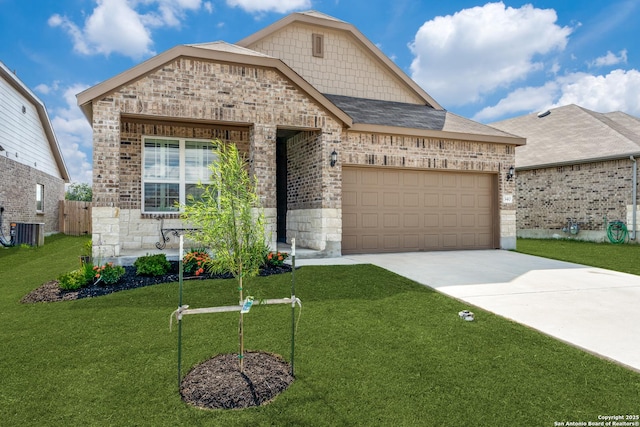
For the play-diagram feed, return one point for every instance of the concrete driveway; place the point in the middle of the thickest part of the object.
(591, 308)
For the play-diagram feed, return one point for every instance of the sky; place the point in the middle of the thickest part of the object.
(487, 61)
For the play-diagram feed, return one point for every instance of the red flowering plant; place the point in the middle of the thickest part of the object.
(276, 259)
(194, 261)
(108, 274)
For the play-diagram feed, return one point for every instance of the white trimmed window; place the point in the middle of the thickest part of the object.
(171, 170)
(39, 198)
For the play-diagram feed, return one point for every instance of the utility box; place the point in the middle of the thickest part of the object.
(23, 233)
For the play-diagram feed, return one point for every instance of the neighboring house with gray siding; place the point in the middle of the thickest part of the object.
(352, 156)
(577, 164)
(32, 171)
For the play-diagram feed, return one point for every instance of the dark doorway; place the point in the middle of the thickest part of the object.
(281, 187)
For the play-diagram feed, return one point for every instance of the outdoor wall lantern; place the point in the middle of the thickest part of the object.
(511, 173)
(334, 158)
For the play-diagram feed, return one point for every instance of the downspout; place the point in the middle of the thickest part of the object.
(634, 198)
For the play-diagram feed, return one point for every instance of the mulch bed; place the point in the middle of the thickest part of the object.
(219, 384)
(216, 383)
(50, 292)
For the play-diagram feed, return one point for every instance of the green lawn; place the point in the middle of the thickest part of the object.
(624, 258)
(372, 349)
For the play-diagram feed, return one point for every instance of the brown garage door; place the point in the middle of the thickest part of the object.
(396, 210)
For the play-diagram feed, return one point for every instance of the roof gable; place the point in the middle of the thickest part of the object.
(216, 51)
(351, 64)
(54, 148)
(572, 134)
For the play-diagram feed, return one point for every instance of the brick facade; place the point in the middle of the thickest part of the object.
(591, 193)
(253, 101)
(19, 198)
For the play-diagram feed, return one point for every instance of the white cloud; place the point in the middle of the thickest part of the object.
(280, 6)
(462, 57)
(617, 91)
(120, 26)
(610, 59)
(524, 99)
(74, 134)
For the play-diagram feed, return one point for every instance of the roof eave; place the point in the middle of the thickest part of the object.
(624, 156)
(427, 133)
(86, 98)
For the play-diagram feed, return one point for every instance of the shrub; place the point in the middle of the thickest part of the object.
(88, 273)
(195, 260)
(276, 259)
(77, 278)
(72, 281)
(152, 265)
(108, 273)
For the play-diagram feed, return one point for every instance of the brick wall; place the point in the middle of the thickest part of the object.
(304, 171)
(586, 192)
(18, 195)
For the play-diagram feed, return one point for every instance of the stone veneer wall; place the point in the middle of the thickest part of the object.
(18, 196)
(440, 154)
(586, 192)
(187, 89)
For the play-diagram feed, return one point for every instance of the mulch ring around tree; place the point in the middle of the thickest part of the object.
(218, 383)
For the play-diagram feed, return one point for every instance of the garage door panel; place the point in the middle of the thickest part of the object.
(391, 242)
(411, 220)
(370, 243)
(391, 220)
(391, 178)
(391, 200)
(395, 210)
(369, 220)
(369, 198)
(450, 200)
(431, 200)
(450, 241)
(410, 200)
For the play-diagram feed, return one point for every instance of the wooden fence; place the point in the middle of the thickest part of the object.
(75, 218)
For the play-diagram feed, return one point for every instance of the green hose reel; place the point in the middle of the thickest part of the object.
(617, 232)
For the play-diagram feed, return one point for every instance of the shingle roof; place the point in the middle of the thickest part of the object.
(412, 116)
(572, 134)
(389, 113)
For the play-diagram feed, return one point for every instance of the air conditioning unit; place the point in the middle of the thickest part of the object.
(27, 233)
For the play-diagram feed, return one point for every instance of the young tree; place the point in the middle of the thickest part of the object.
(230, 221)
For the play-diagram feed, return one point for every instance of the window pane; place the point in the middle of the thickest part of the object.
(39, 197)
(162, 159)
(161, 197)
(198, 156)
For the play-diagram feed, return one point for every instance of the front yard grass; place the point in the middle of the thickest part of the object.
(372, 348)
(624, 258)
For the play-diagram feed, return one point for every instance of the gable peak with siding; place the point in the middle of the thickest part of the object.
(349, 64)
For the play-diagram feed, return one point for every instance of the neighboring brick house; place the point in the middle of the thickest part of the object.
(32, 170)
(577, 164)
(352, 156)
